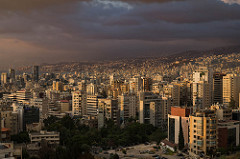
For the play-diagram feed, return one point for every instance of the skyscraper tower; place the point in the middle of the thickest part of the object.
(218, 88)
(11, 75)
(36, 73)
(4, 78)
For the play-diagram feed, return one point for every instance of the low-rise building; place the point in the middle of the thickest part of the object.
(6, 150)
(179, 117)
(51, 137)
(228, 133)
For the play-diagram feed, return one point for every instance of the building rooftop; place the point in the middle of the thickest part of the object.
(5, 129)
(2, 147)
(45, 133)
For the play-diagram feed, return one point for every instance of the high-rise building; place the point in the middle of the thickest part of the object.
(173, 91)
(153, 109)
(42, 105)
(127, 105)
(205, 74)
(92, 104)
(203, 133)
(23, 96)
(36, 73)
(218, 88)
(78, 104)
(30, 115)
(57, 86)
(4, 78)
(231, 89)
(11, 75)
(134, 85)
(109, 108)
(222, 113)
(201, 95)
(112, 78)
(146, 84)
(144, 108)
(91, 89)
(9, 119)
(159, 110)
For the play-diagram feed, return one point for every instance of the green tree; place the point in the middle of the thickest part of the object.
(25, 154)
(158, 135)
(180, 137)
(50, 120)
(68, 122)
(22, 137)
(46, 152)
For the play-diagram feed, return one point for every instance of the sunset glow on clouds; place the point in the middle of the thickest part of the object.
(231, 1)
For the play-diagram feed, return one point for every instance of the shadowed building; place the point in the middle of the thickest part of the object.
(218, 88)
(36, 73)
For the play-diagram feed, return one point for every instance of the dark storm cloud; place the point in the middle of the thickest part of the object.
(149, 1)
(137, 24)
(191, 11)
(43, 30)
(25, 5)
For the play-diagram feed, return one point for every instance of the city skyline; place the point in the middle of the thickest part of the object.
(35, 32)
(115, 79)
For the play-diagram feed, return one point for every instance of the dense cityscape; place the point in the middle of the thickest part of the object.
(140, 108)
(119, 79)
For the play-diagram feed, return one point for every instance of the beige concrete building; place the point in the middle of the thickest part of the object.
(222, 113)
(145, 99)
(92, 104)
(203, 133)
(4, 77)
(201, 95)
(77, 103)
(107, 109)
(23, 96)
(154, 109)
(57, 86)
(173, 91)
(231, 89)
(64, 106)
(110, 108)
(10, 120)
(127, 105)
(51, 137)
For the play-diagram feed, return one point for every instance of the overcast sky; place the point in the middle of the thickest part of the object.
(37, 31)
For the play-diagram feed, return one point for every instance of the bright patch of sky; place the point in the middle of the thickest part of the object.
(231, 1)
(109, 4)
